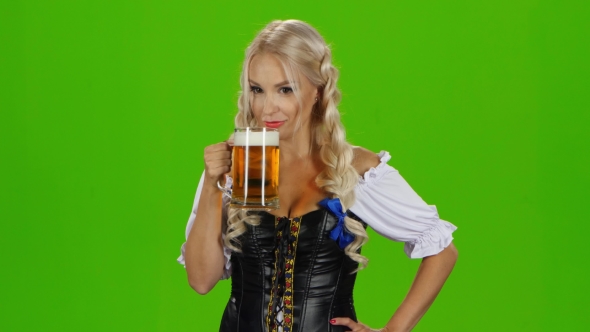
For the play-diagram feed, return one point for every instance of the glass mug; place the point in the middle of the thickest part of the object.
(255, 160)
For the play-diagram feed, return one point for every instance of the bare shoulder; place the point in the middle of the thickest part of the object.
(364, 159)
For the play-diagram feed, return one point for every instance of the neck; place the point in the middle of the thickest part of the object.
(296, 147)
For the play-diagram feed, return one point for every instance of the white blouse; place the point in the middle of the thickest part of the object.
(387, 203)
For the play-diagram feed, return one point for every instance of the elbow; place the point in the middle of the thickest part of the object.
(202, 279)
(201, 283)
(199, 286)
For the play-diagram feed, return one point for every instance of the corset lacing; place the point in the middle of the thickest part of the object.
(280, 307)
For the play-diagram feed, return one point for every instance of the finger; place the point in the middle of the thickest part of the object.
(214, 162)
(223, 146)
(212, 166)
(218, 155)
(344, 321)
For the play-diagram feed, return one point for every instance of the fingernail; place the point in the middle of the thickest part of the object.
(332, 321)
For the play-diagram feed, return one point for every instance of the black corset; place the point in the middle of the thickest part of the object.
(291, 263)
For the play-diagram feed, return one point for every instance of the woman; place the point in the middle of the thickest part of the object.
(293, 269)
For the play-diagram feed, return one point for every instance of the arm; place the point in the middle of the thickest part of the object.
(431, 276)
(393, 209)
(204, 248)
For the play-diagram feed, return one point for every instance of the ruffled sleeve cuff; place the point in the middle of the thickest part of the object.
(180, 259)
(432, 241)
(387, 203)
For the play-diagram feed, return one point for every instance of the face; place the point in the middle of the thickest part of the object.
(273, 98)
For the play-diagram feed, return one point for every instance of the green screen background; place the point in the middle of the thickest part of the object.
(106, 107)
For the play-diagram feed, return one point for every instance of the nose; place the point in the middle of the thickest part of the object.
(270, 105)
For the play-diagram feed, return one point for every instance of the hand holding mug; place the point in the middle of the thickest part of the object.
(217, 162)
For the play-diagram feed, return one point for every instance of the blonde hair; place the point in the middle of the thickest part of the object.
(301, 49)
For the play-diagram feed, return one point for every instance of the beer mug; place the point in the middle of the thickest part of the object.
(255, 160)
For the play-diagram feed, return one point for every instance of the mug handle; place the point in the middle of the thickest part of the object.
(226, 192)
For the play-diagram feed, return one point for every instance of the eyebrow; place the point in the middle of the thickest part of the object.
(276, 85)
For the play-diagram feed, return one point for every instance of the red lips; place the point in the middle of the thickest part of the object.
(273, 124)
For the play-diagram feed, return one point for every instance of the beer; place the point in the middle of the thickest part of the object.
(255, 169)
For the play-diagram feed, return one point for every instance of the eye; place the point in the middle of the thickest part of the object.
(255, 89)
(285, 90)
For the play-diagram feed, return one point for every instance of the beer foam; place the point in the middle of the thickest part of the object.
(268, 138)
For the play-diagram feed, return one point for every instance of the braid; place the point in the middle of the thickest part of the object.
(339, 177)
(235, 226)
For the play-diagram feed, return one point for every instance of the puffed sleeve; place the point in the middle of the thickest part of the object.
(191, 220)
(387, 203)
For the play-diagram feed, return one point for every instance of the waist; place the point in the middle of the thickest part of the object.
(248, 312)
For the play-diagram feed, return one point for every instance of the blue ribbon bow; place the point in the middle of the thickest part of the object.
(339, 234)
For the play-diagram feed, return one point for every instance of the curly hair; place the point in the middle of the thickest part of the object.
(301, 49)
